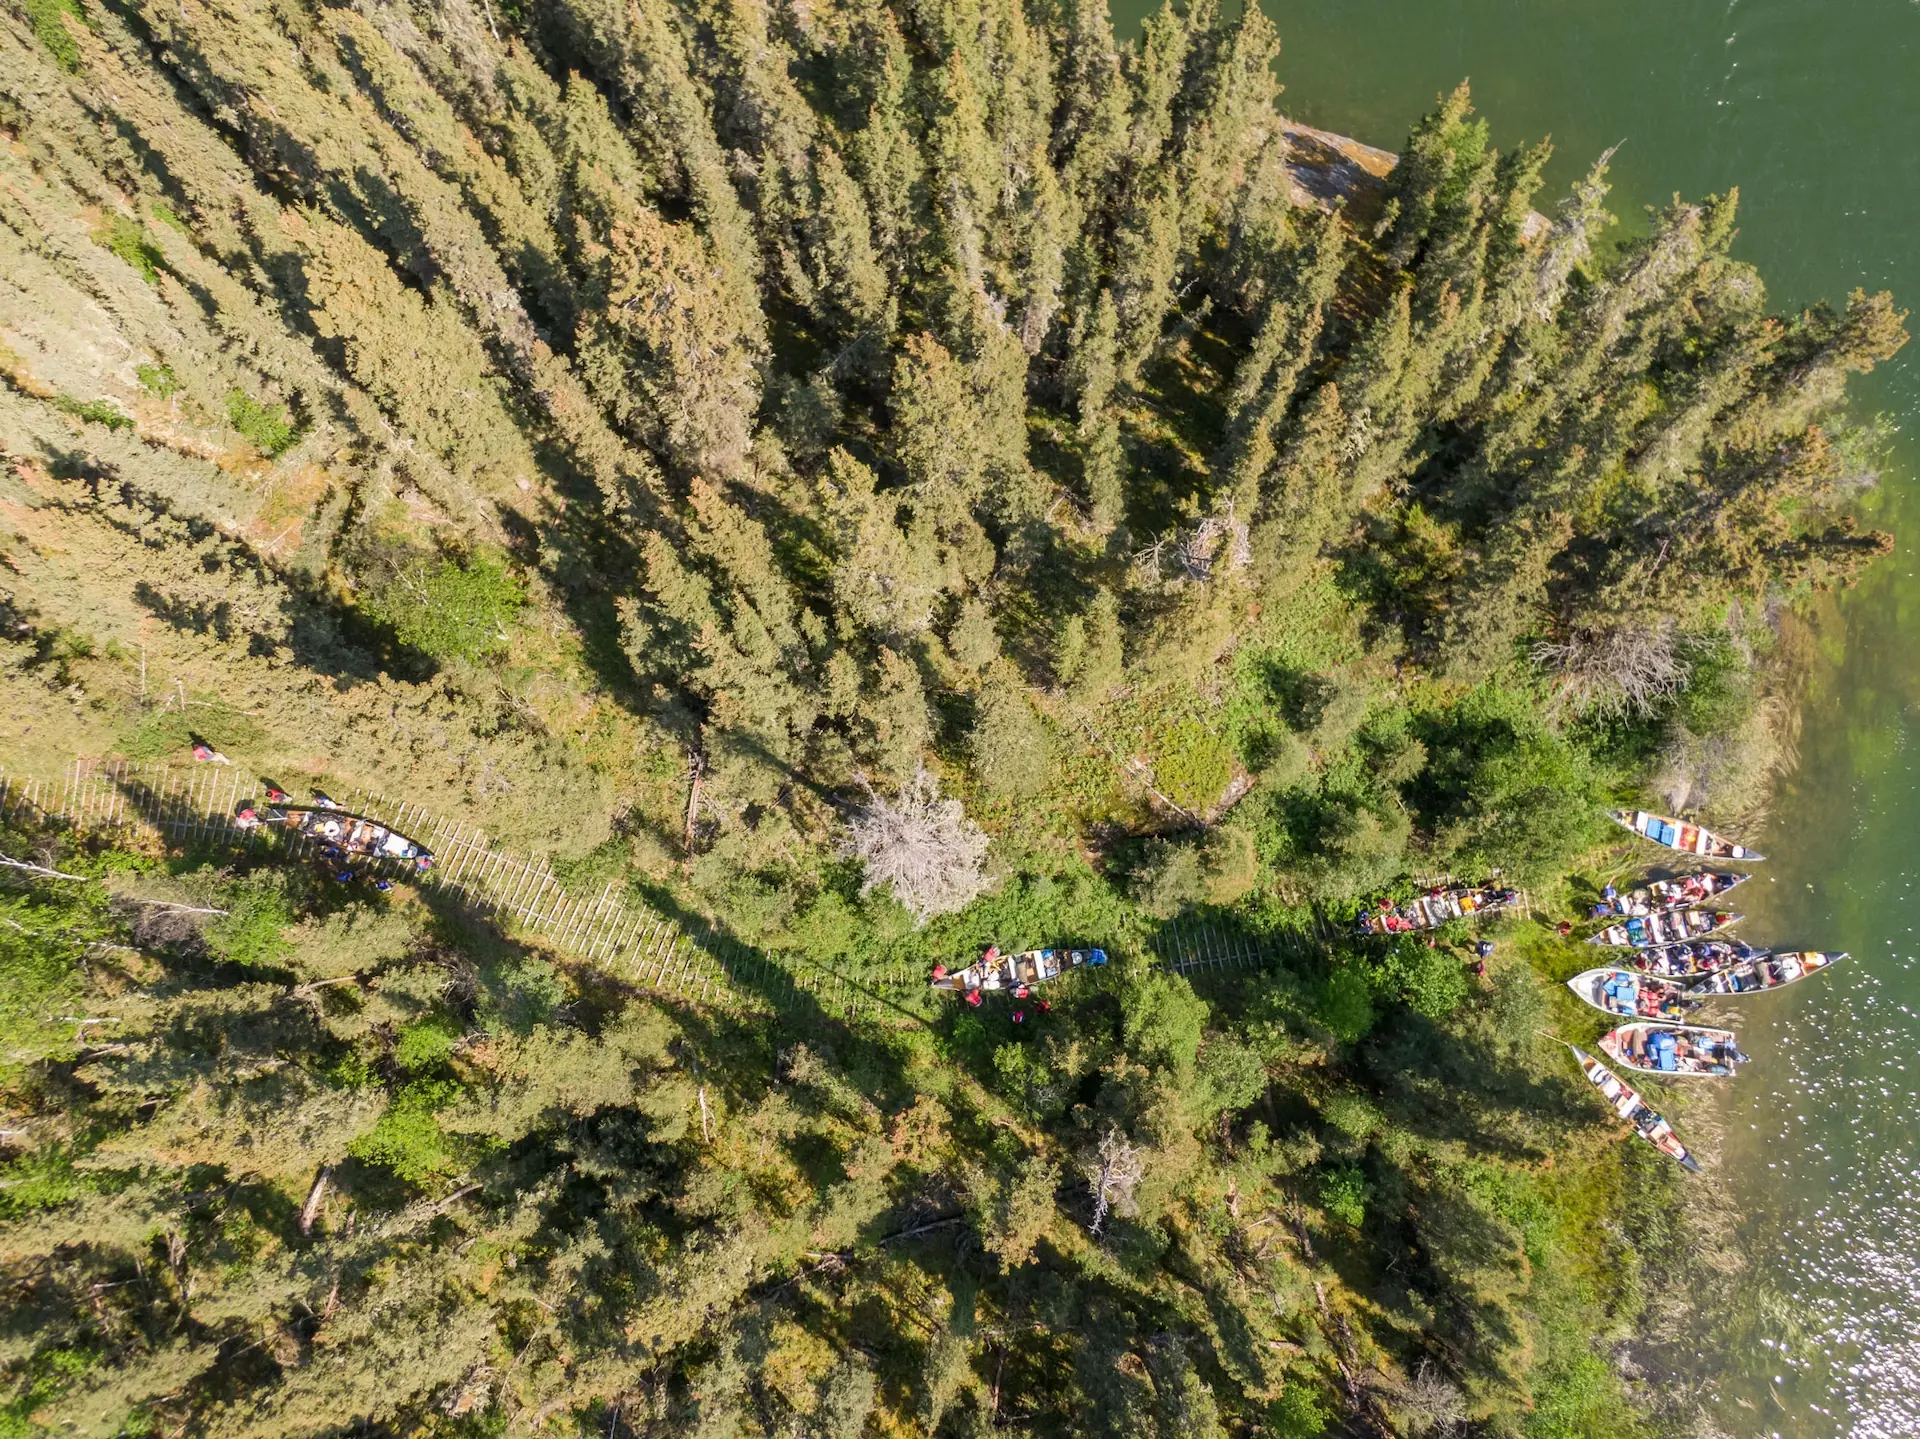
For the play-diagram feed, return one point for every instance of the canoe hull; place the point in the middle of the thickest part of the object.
(1677, 834)
(355, 834)
(1012, 971)
(1685, 961)
(1709, 1053)
(1628, 1104)
(1675, 927)
(1627, 994)
(1764, 972)
(1443, 906)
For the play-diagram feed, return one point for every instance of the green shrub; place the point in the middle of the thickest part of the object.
(1299, 1413)
(157, 380)
(448, 609)
(408, 1139)
(51, 31)
(127, 240)
(1162, 1019)
(424, 1045)
(1192, 764)
(1430, 982)
(253, 931)
(1346, 1005)
(268, 428)
(98, 412)
(1217, 868)
(1008, 743)
(1343, 1194)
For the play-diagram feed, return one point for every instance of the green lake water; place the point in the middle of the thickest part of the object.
(1813, 111)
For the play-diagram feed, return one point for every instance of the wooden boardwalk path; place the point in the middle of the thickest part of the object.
(612, 928)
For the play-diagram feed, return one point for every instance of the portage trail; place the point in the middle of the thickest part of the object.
(614, 929)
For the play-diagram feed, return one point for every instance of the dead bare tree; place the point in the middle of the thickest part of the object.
(1616, 669)
(1119, 1166)
(921, 846)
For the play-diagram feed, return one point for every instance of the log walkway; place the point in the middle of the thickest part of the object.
(612, 928)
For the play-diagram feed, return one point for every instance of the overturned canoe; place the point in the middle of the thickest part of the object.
(1676, 927)
(1673, 1051)
(1664, 895)
(1628, 1104)
(1016, 971)
(352, 834)
(1681, 961)
(1768, 971)
(1436, 907)
(1679, 834)
(1628, 995)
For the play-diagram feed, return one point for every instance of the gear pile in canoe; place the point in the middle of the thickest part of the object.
(1683, 960)
(1664, 895)
(1673, 927)
(1681, 835)
(1438, 906)
(1015, 973)
(1673, 1051)
(1627, 995)
(339, 832)
(1766, 971)
(1628, 1104)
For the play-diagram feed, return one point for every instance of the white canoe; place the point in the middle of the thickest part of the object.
(1767, 971)
(1628, 995)
(1673, 1051)
(1681, 835)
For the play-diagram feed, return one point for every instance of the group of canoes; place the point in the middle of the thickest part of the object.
(1669, 969)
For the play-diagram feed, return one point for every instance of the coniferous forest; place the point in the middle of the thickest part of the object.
(874, 479)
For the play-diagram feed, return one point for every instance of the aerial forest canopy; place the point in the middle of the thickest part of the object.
(870, 479)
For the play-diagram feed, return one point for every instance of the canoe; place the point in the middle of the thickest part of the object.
(1676, 927)
(1679, 834)
(1768, 971)
(353, 834)
(1673, 1051)
(1664, 895)
(1628, 995)
(1016, 971)
(1685, 960)
(1437, 907)
(1628, 1104)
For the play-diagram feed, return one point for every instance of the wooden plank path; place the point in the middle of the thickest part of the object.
(610, 928)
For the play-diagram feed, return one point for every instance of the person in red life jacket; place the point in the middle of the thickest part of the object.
(276, 795)
(1019, 1016)
(1020, 993)
(423, 863)
(939, 971)
(973, 998)
(205, 753)
(1046, 1004)
(247, 818)
(1566, 928)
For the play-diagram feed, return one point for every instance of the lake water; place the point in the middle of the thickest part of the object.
(1813, 110)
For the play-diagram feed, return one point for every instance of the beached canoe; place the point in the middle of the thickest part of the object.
(1436, 907)
(1628, 995)
(336, 829)
(1682, 961)
(1628, 1104)
(1768, 971)
(1676, 927)
(1673, 1051)
(995, 971)
(1679, 834)
(1664, 895)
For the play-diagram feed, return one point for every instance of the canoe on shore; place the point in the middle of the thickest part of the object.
(1664, 895)
(1628, 995)
(1679, 834)
(1676, 927)
(337, 829)
(1436, 907)
(995, 971)
(1673, 1051)
(1768, 971)
(1628, 1104)
(1682, 961)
